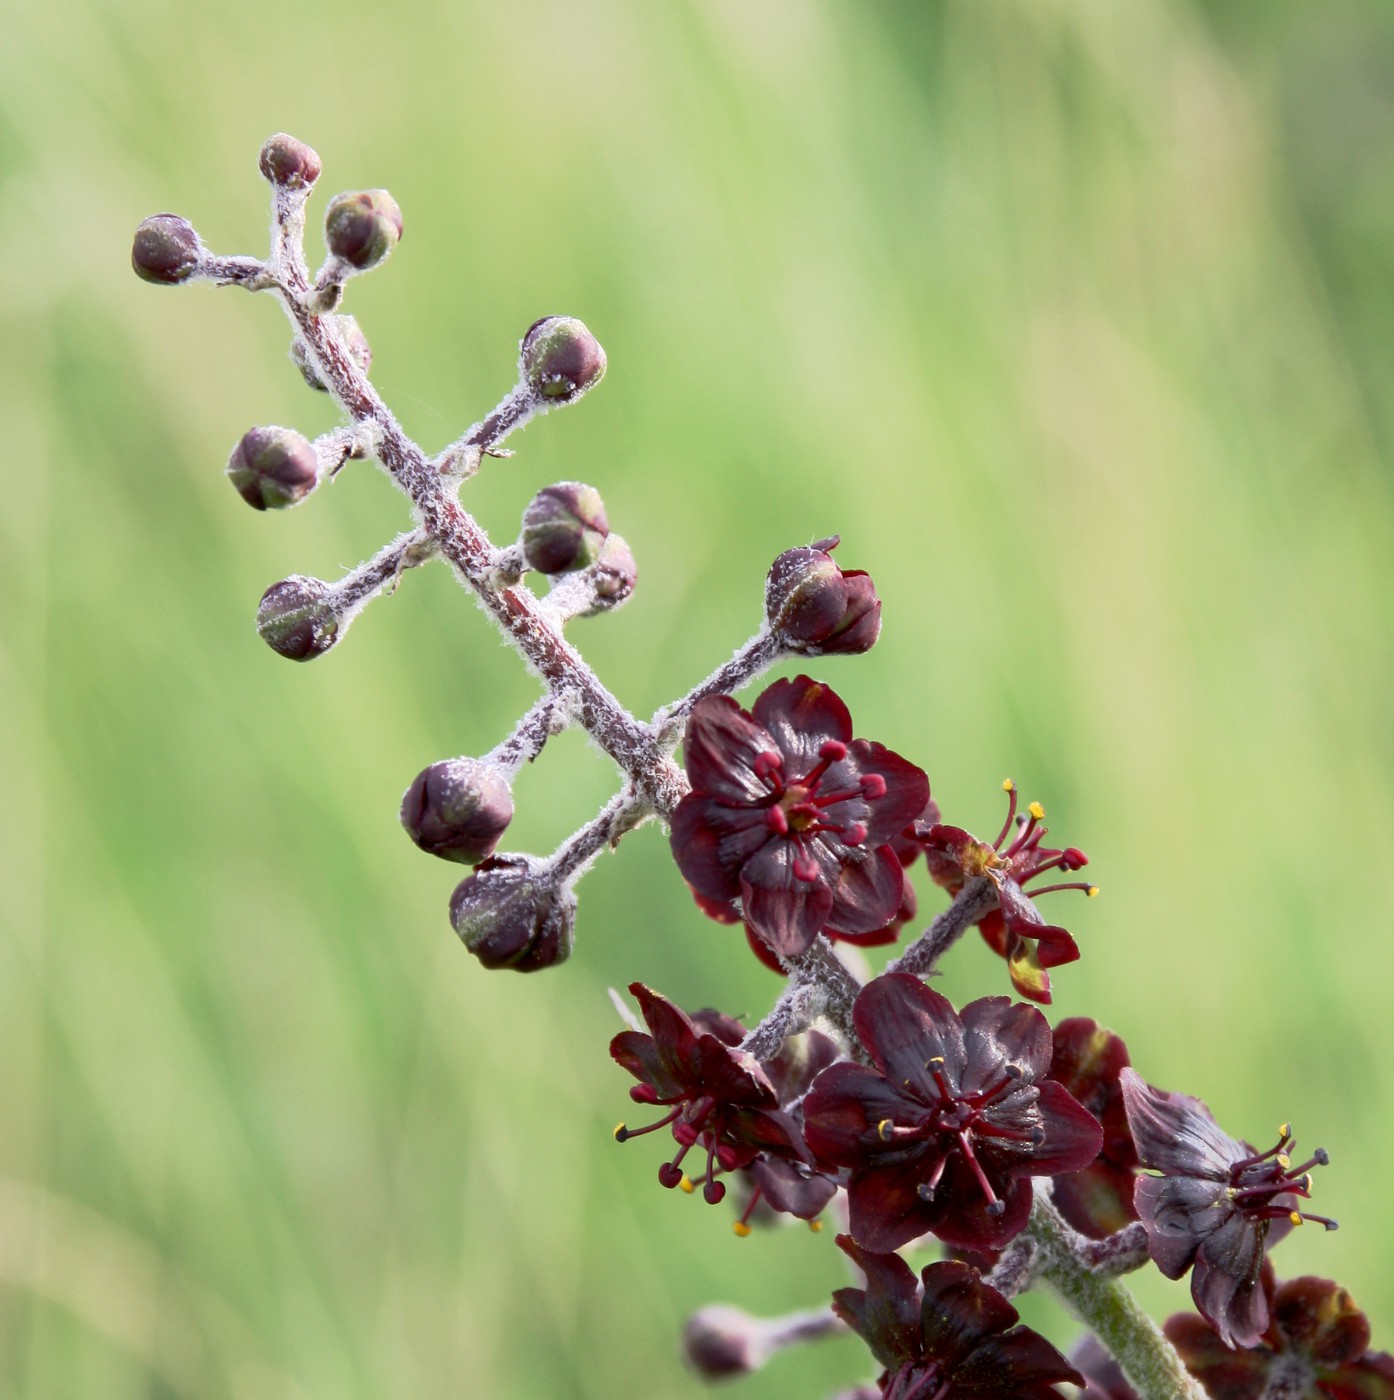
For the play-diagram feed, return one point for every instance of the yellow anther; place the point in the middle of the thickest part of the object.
(1037, 811)
(1007, 785)
(816, 1226)
(740, 1229)
(619, 1132)
(883, 1129)
(937, 1060)
(1296, 1217)
(686, 1184)
(1284, 1130)
(1283, 1160)
(1091, 891)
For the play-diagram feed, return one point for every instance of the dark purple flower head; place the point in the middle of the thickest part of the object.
(1014, 930)
(1087, 1060)
(1217, 1205)
(715, 1093)
(949, 1337)
(1316, 1347)
(944, 1134)
(792, 816)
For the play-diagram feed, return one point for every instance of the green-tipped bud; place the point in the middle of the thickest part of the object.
(561, 359)
(166, 250)
(510, 915)
(359, 351)
(614, 574)
(362, 228)
(296, 618)
(564, 528)
(273, 468)
(458, 810)
(288, 163)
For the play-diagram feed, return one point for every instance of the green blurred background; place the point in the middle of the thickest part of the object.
(1072, 316)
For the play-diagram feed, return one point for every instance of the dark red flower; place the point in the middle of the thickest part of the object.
(1316, 1347)
(946, 1132)
(1087, 1060)
(1217, 1206)
(716, 1094)
(950, 1337)
(817, 608)
(1014, 930)
(792, 816)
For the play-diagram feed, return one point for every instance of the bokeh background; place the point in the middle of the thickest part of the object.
(1072, 317)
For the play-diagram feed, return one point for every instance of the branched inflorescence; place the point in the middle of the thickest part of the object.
(1020, 1149)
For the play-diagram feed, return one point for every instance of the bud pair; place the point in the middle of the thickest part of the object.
(513, 913)
(817, 608)
(564, 528)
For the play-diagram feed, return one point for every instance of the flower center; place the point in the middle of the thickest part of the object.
(797, 808)
(695, 1117)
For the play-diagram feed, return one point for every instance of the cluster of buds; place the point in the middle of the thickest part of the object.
(1032, 1156)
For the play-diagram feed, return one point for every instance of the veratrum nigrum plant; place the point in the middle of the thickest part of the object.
(1034, 1156)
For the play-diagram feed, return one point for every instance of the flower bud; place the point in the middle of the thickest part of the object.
(815, 607)
(721, 1342)
(297, 618)
(362, 228)
(289, 163)
(561, 359)
(613, 576)
(359, 351)
(458, 810)
(273, 468)
(564, 528)
(509, 915)
(166, 249)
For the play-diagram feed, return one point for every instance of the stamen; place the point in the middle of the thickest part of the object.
(766, 766)
(1010, 789)
(994, 1206)
(926, 1189)
(816, 1226)
(832, 750)
(777, 819)
(873, 786)
(806, 869)
(685, 1185)
(623, 1132)
(1090, 890)
(741, 1227)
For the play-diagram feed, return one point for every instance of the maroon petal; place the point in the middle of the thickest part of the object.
(711, 843)
(1096, 1201)
(1233, 1302)
(869, 894)
(732, 1076)
(769, 1130)
(959, 1312)
(791, 1188)
(996, 1030)
(884, 1206)
(1179, 1213)
(906, 795)
(801, 715)
(636, 1052)
(1073, 1136)
(886, 1314)
(786, 912)
(719, 750)
(904, 1025)
(1175, 1133)
(675, 1037)
(842, 1110)
(1225, 1374)
(1022, 1360)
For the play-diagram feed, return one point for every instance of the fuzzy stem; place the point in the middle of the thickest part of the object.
(1107, 1308)
(974, 900)
(756, 656)
(383, 570)
(546, 718)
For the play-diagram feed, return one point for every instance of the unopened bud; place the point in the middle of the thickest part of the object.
(297, 618)
(458, 810)
(813, 606)
(721, 1342)
(289, 163)
(359, 351)
(561, 359)
(509, 914)
(273, 468)
(166, 249)
(564, 528)
(613, 576)
(362, 227)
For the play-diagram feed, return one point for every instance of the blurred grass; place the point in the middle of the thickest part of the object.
(1071, 317)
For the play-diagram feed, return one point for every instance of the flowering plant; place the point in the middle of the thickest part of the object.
(1034, 1158)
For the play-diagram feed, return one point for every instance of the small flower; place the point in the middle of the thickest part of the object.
(953, 1337)
(362, 227)
(1217, 1205)
(1316, 1347)
(1087, 1060)
(289, 163)
(792, 816)
(944, 1134)
(1014, 930)
(564, 527)
(560, 359)
(458, 809)
(819, 609)
(512, 912)
(166, 250)
(717, 1094)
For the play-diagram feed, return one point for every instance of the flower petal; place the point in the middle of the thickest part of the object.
(786, 912)
(869, 894)
(906, 795)
(1175, 1133)
(904, 1025)
(886, 1313)
(711, 843)
(1073, 1136)
(719, 750)
(801, 715)
(959, 1313)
